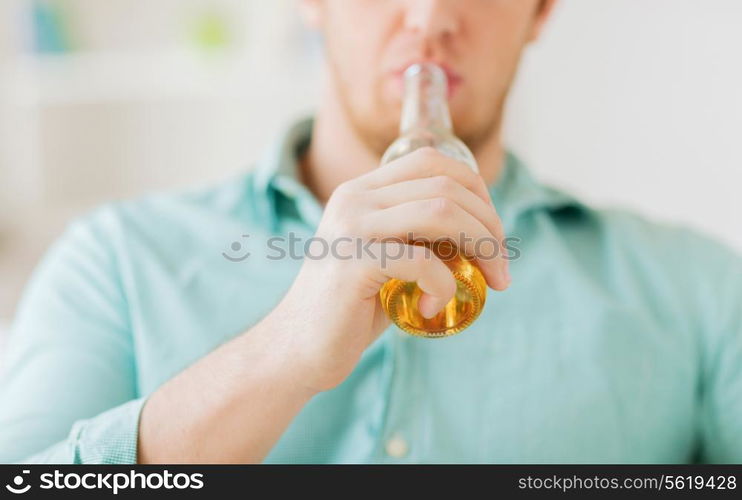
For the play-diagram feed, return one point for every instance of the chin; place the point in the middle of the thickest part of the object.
(375, 136)
(384, 128)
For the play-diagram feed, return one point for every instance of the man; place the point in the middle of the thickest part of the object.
(610, 339)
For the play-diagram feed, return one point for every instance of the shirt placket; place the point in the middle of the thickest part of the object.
(398, 437)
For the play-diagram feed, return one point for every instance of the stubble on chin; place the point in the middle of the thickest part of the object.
(376, 128)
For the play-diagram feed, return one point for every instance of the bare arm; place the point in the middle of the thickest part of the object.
(234, 404)
(229, 407)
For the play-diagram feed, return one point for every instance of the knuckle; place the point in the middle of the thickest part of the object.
(343, 190)
(443, 184)
(343, 223)
(441, 206)
(428, 152)
(344, 197)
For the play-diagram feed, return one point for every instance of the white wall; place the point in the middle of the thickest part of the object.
(135, 107)
(639, 103)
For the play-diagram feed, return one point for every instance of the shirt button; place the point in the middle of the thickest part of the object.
(397, 447)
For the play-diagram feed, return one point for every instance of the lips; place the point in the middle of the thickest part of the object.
(454, 79)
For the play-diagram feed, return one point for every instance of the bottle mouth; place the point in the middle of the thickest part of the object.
(426, 74)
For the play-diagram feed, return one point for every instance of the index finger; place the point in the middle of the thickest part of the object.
(426, 162)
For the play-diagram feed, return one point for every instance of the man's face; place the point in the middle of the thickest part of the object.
(369, 43)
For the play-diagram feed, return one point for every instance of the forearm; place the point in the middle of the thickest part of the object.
(231, 406)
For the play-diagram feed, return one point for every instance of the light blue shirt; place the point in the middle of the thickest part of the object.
(620, 340)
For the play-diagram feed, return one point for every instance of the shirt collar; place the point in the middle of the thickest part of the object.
(517, 192)
(277, 180)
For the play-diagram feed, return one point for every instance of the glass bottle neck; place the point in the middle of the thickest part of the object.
(425, 104)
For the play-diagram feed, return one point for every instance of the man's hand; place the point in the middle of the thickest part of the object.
(333, 311)
(232, 405)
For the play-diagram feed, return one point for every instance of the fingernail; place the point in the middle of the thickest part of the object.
(424, 306)
(429, 308)
(427, 312)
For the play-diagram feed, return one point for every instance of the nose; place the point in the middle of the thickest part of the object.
(432, 19)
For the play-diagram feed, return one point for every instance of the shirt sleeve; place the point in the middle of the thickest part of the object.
(720, 294)
(68, 389)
